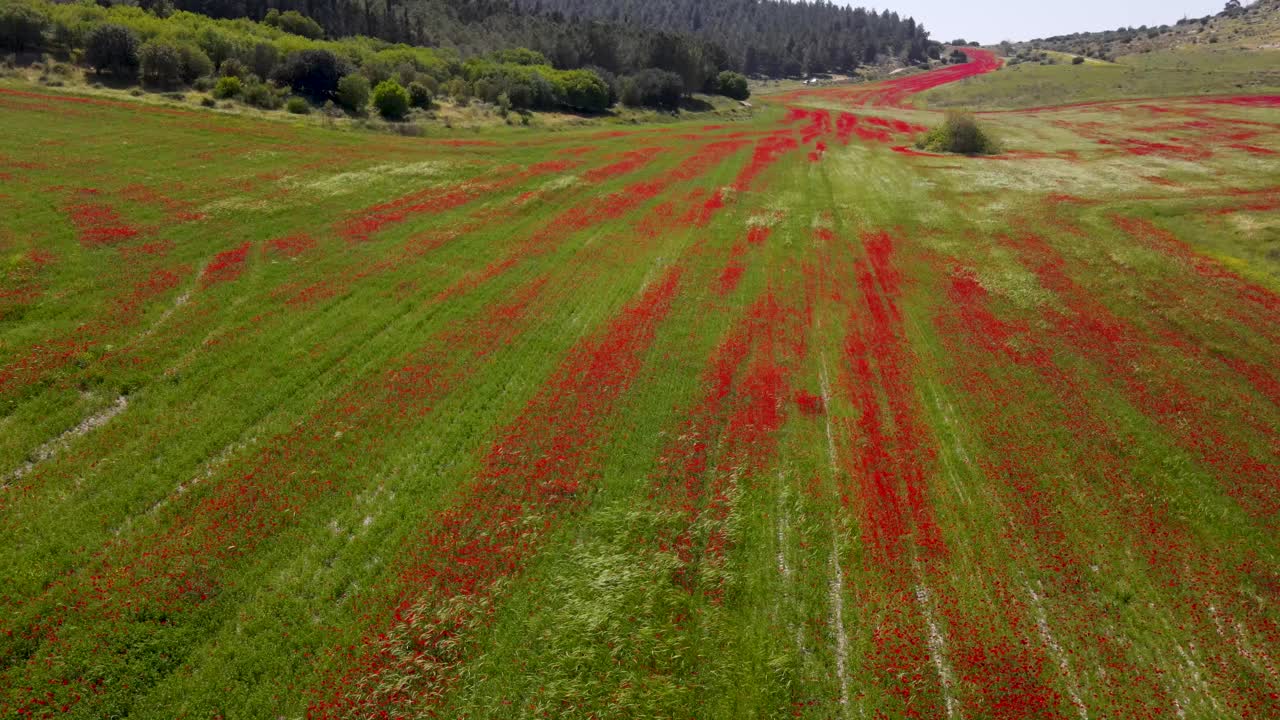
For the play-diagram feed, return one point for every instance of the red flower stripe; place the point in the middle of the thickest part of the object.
(542, 464)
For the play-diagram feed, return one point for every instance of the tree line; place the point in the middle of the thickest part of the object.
(687, 37)
(769, 37)
(284, 61)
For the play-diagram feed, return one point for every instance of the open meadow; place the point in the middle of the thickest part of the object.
(779, 417)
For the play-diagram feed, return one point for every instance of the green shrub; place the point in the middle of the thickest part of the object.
(353, 93)
(208, 102)
(264, 59)
(297, 105)
(407, 74)
(22, 28)
(292, 21)
(458, 89)
(262, 95)
(161, 64)
(732, 85)
(391, 99)
(215, 43)
(195, 63)
(584, 90)
(233, 67)
(1077, 60)
(519, 56)
(227, 87)
(959, 133)
(113, 48)
(419, 95)
(312, 73)
(653, 88)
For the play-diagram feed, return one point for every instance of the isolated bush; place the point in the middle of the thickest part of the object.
(959, 133)
(312, 73)
(391, 100)
(297, 105)
(227, 87)
(732, 85)
(22, 28)
(161, 64)
(208, 102)
(1077, 60)
(353, 93)
(113, 48)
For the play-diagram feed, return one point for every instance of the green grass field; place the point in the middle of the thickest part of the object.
(1166, 73)
(771, 418)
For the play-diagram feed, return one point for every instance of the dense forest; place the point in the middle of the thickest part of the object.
(688, 37)
(769, 37)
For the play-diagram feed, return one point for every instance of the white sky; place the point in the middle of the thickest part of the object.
(990, 21)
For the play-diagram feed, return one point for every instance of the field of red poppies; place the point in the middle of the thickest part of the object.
(776, 418)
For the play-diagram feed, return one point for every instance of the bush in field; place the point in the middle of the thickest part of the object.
(961, 134)
(653, 88)
(732, 85)
(227, 87)
(161, 65)
(113, 48)
(419, 95)
(391, 99)
(353, 93)
(312, 73)
(297, 105)
(22, 28)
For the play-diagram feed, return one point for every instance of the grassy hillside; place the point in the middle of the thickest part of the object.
(1255, 26)
(1167, 73)
(1228, 53)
